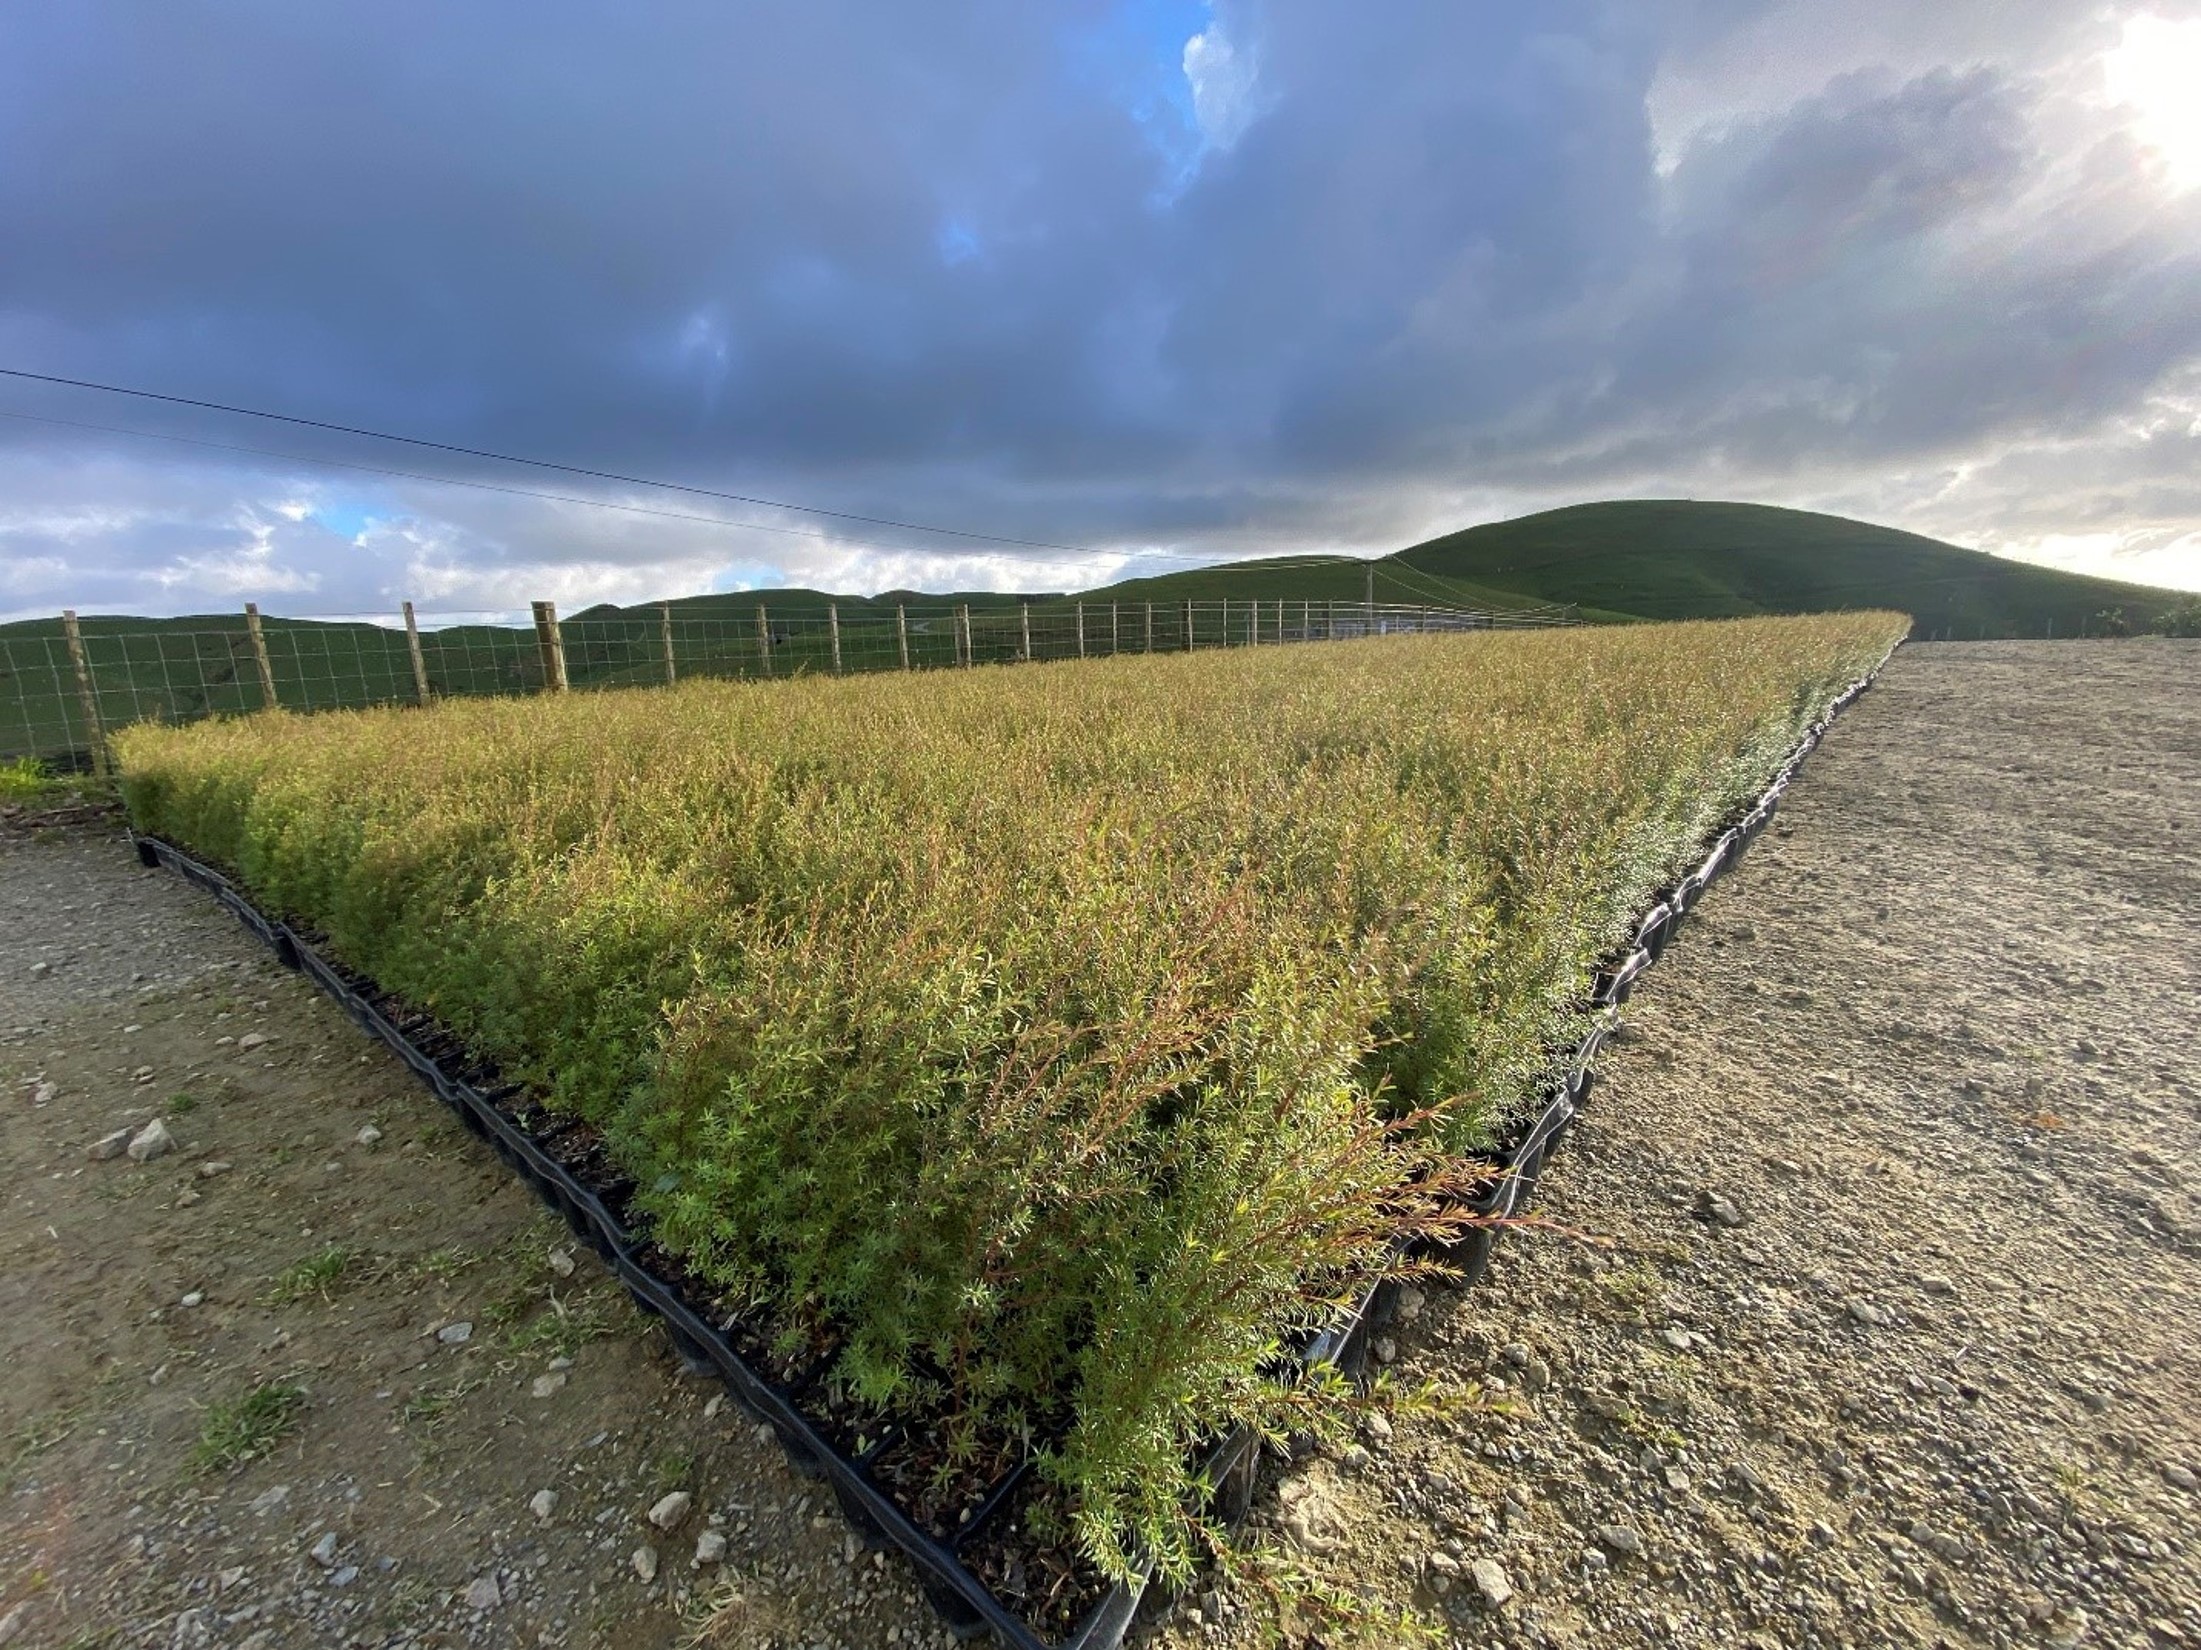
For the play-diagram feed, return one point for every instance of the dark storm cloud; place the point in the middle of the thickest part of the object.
(1330, 276)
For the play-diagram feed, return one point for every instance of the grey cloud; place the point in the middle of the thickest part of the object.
(972, 262)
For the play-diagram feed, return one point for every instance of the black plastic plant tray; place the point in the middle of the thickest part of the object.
(963, 1600)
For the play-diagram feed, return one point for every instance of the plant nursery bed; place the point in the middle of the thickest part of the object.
(967, 1525)
(993, 1539)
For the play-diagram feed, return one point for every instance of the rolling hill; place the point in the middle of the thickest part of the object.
(1680, 559)
(1615, 561)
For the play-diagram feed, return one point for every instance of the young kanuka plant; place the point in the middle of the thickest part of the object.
(1052, 1044)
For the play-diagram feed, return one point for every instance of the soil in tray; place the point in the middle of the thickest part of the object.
(1043, 1577)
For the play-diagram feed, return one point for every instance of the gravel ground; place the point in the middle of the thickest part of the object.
(321, 1224)
(1866, 1315)
(1889, 1334)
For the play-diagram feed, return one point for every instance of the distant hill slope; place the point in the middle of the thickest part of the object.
(1679, 559)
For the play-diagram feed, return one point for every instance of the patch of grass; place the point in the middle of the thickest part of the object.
(37, 1434)
(182, 1105)
(431, 1406)
(566, 1325)
(1633, 1288)
(442, 1265)
(317, 1274)
(27, 780)
(247, 1428)
(671, 1468)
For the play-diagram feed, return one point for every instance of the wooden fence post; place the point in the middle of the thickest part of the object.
(1306, 621)
(1188, 627)
(552, 645)
(764, 639)
(901, 631)
(1024, 618)
(1280, 618)
(1150, 627)
(1226, 621)
(665, 635)
(420, 665)
(833, 630)
(1081, 630)
(963, 630)
(259, 655)
(86, 699)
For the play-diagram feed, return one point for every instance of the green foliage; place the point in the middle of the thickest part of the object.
(2182, 620)
(2111, 621)
(26, 780)
(1048, 1045)
(248, 1427)
(316, 1274)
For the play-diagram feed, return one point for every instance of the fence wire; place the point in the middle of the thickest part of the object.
(59, 697)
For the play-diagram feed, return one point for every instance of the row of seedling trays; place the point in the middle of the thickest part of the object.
(970, 1558)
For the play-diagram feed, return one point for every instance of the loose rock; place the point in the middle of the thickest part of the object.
(1621, 1538)
(150, 1142)
(644, 1561)
(1490, 1580)
(671, 1509)
(455, 1334)
(710, 1547)
(483, 1593)
(108, 1147)
(543, 1504)
(1718, 1209)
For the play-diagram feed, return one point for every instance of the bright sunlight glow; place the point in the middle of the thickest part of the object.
(2156, 71)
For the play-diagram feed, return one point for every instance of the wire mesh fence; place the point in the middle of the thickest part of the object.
(64, 684)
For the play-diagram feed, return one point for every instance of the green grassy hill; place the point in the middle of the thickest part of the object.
(1679, 559)
(1635, 558)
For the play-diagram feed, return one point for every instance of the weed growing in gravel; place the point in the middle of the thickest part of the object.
(1051, 1046)
(37, 1434)
(247, 1428)
(671, 1468)
(432, 1404)
(316, 1274)
(446, 1263)
(1304, 1606)
(566, 1325)
(182, 1105)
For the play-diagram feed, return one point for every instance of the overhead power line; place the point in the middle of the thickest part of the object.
(1285, 563)
(1254, 565)
(541, 463)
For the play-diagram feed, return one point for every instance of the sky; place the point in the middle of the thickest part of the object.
(1143, 283)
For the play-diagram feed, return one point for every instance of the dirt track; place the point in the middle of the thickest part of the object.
(1930, 1047)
